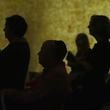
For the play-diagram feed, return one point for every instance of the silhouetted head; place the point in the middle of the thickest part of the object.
(99, 27)
(52, 52)
(15, 26)
(82, 41)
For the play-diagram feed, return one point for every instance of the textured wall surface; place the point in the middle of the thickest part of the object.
(52, 19)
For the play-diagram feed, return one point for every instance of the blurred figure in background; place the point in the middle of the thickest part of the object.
(78, 63)
(83, 46)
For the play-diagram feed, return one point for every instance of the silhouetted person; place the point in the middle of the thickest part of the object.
(14, 59)
(99, 59)
(83, 46)
(54, 81)
(51, 88)
(78, 63)
(79, 68)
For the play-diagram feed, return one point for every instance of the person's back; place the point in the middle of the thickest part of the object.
(14, 59)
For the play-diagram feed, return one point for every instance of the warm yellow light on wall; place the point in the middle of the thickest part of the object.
(52, 19)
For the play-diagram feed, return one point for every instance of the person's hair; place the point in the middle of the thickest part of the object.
(17, 25)
(61, 49)
(102, 24)
(82, 40)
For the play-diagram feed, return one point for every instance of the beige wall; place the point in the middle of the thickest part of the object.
(52, 19)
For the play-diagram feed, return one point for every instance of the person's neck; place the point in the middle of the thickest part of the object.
(11, 40)
(50, 67)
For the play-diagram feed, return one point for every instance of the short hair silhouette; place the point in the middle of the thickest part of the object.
(61, 49)
(52, 52)
(17, 25)
(82, 41)
(15, 57)
(100, 26)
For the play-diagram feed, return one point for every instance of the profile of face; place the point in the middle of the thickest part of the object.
(7, 30)
(52, 53)
(94, 27)
(99, 26)
(46, 54)
(91, 28)
(15, 27)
